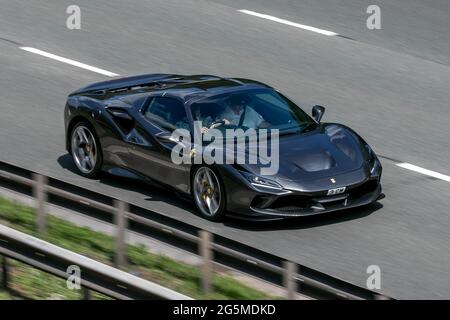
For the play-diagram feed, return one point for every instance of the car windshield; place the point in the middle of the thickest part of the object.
(252, 109)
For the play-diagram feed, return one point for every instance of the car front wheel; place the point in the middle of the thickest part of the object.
(209, 193)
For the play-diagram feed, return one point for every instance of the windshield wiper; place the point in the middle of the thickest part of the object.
(288, 132)
(309, 127)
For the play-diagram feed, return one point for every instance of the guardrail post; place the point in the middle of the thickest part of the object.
(289, 279)
(121, 223)
(86, 294)
(40, 194)
(4, 272)
(206, 253)
(377, 296)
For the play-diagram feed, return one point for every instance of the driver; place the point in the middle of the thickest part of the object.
(239, 113)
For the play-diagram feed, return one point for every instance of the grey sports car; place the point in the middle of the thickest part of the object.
(125, 126)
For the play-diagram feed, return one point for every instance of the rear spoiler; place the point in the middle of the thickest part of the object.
(125, 82)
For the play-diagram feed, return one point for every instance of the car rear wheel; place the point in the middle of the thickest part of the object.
(85, 149)
(209, 193)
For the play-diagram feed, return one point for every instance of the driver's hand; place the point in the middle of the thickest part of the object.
(226, 122)
(204, 130)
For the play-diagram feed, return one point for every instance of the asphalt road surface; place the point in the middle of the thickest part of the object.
(391, 85)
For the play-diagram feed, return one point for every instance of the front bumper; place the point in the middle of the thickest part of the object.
(248, 203)
(287, 206)
(363, 186)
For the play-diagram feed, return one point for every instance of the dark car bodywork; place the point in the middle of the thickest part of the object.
(329, 157)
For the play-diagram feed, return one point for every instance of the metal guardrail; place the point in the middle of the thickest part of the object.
(213, 249)
(95, 275)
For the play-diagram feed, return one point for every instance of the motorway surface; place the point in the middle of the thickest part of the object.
(391, 85)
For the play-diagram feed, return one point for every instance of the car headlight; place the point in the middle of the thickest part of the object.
(261, 182)
(372, 158)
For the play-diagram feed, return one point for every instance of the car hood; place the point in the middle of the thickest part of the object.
(328, 151)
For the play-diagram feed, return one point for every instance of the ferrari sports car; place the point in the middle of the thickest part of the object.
(124, 127)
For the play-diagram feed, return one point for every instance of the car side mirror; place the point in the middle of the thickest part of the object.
(317, 112)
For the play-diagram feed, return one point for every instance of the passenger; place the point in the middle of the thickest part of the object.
(198, 116)
(182, 124)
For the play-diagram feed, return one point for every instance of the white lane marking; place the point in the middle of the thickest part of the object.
(69, 61)
(289, 23)
(404, 165)
(424, 171)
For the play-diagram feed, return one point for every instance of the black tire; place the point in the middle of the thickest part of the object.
(220, 213)
(95, 171)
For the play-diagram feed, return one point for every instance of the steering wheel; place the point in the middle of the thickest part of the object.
(223, 126)
(217, 124)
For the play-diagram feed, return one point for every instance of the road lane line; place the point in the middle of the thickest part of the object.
(404, 165)
(69, 61)
(424, 171)
(289, 23)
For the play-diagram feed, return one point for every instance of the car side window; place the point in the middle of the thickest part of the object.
(168, 113)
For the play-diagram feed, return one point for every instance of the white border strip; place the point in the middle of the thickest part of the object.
(424, 171)
(69, 61)
(289, 23)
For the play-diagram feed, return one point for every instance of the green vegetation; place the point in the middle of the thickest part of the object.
(34, 284)
(4, 295)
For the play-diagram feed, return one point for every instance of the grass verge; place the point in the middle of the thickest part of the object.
(5, 295)
(34, 284)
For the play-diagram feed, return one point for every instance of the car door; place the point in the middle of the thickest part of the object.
(158, 119)
(117, 125)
